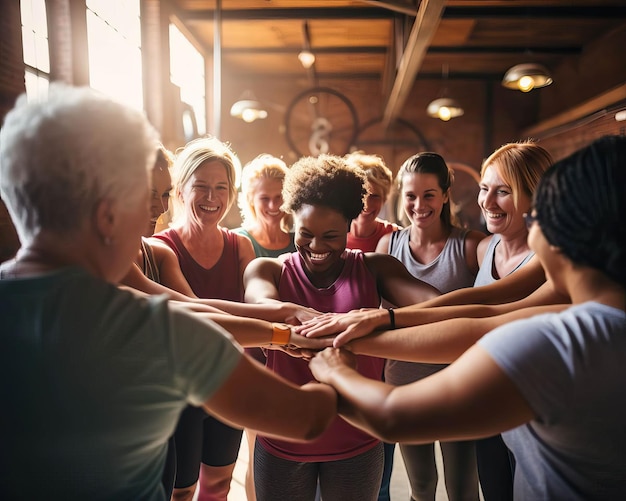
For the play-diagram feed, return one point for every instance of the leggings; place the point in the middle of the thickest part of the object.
(385, 484)
(169, 470)
(202, 438)
(496, 467)
(357, 477)
(460, 472)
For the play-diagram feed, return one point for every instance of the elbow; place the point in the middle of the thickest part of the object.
(315, 430)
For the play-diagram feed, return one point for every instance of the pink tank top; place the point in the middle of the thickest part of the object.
(222, 281)
(368, 244)
(354, 288)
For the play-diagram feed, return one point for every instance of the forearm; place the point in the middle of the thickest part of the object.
(272, 311)
(362, 401)
(419, 315)
(289, 411)
(437, 343)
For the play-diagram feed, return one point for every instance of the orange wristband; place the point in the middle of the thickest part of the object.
(281, 333)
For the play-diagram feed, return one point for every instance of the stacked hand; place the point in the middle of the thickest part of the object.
(327, 362)
(345, 326)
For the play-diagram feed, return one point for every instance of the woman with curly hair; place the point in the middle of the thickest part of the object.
(325, 194)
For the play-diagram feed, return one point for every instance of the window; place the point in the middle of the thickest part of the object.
(187, 73)
(114, 38)
(35, 44)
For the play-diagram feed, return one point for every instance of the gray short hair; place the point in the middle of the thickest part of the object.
(61, 155)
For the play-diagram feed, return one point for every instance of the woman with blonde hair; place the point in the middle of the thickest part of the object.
(367, 229)
(264, 222)
(212, 259)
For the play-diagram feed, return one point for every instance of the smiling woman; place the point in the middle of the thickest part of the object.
(212, 260)
(325, 194)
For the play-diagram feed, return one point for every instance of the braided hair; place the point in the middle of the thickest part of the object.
(580, 205)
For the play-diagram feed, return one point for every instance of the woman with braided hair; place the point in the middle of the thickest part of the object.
(535, 379)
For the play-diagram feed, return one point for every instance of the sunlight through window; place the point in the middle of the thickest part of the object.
(35, 46)
(114, 38)
(187, 72)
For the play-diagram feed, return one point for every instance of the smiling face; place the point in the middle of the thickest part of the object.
(206, 194)
(423, 199)
(160, 194)
(320, 238)
(267, 199)
(498, 205)
(373, 204)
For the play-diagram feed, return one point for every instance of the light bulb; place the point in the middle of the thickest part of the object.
(444, 113)
(248, 115)
(307, 58)
(526, 83)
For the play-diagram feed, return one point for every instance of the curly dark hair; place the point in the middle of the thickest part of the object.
(580, 205)
(328, 181)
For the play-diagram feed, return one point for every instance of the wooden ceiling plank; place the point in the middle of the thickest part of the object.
(588, 107)
(424, 28)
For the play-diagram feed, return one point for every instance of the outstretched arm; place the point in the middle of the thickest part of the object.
(472, 398)
(275, 312)
(360, 323)
(253, 332)
(513, 287)
(289, 412)
(438, 342)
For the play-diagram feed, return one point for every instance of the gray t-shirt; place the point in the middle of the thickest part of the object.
(569, 367)
(92, 381)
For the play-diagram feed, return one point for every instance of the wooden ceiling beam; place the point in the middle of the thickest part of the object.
(548, 12)
(385, 12)
(424, 27)
(295, 13)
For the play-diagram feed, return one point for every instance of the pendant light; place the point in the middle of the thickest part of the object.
(248, 108)
(526, 77)
(444, 108)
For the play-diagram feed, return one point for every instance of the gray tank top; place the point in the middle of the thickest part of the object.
(447, 272)
(485, 273)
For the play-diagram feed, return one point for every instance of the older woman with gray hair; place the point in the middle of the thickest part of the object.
(93, 378)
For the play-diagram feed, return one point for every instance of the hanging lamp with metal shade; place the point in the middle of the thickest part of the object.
(248, 108)
(444, 109)
(526, 77)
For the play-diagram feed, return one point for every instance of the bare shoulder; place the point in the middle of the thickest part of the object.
(474, 238)
(263, 267)
(383, 244)
(481, 249)
(473, 257)
(379, 263)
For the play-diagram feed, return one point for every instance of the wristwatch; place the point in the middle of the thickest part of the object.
(281, 333)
